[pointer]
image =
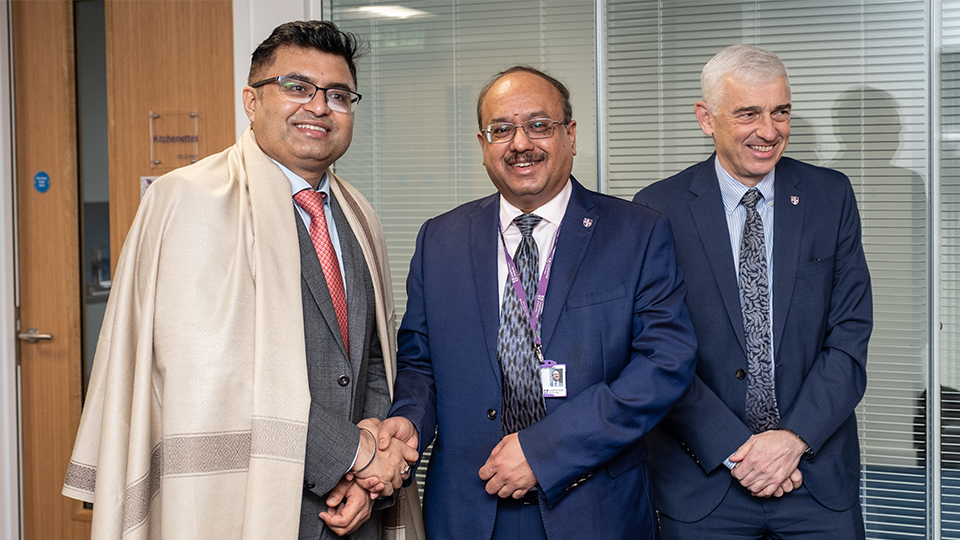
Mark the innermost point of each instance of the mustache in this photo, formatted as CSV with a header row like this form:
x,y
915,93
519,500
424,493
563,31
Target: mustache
x,y
525,157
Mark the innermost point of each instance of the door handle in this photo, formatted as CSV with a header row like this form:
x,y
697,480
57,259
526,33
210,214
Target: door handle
x,y
33,336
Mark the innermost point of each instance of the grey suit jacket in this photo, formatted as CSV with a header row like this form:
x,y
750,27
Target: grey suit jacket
x,y
343,390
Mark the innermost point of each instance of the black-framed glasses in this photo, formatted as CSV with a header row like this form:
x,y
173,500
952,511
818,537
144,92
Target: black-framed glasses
x,y
298,91
536,128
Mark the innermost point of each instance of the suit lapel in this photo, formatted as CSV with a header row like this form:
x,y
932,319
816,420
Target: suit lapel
x,y
708,213
484,243
579,222
353,263
312,274
787,227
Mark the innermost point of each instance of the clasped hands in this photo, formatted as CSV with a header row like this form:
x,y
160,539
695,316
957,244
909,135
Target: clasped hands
x,y
767,463
378,470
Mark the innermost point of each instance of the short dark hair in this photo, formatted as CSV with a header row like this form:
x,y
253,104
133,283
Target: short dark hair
x,y
564,93
323,36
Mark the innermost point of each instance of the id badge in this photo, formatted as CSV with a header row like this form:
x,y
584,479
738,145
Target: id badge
x,y
553,377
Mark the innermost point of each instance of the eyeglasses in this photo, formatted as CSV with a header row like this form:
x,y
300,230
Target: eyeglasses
x,y
299,91
537,128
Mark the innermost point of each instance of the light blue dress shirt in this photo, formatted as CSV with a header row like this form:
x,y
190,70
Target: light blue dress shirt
x,y
732,191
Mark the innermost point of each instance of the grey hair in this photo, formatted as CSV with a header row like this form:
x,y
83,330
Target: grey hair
x,y
746,64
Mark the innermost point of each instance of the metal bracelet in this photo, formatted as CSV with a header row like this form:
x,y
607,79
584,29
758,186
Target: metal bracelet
x,y
373,455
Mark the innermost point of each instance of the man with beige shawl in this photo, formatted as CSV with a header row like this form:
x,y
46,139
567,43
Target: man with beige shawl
x,y
225,402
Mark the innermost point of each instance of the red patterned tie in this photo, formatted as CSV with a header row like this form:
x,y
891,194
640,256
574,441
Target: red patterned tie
x,y
312,202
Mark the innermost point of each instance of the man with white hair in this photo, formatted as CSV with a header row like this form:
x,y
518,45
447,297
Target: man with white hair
x,y
764,445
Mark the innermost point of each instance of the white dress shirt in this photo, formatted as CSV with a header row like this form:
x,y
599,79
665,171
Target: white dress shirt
x,y
543,234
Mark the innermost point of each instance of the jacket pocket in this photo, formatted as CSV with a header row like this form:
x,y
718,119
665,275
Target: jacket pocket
x,y
598,297
815,266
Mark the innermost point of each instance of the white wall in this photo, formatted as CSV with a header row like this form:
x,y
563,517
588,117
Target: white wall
x,y
253,20
9,414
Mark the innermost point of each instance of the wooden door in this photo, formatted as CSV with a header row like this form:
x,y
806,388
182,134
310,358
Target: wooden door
x,y
164,56
49,271
160,56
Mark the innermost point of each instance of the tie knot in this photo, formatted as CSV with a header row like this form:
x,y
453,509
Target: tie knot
x,y
750,198
311,201
526,223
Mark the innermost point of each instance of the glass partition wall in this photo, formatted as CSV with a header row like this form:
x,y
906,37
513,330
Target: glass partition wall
x,y
876,94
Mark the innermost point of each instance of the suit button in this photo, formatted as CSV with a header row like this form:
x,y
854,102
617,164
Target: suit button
x,y
741,374
491,414
343,380
309,485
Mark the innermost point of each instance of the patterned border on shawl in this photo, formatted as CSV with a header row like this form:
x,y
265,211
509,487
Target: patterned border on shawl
x,y
187,455
81,477
392,522
280,439
137,497
208,453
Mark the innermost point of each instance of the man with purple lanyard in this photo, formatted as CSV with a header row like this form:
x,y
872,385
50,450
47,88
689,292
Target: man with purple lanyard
x,y
544,275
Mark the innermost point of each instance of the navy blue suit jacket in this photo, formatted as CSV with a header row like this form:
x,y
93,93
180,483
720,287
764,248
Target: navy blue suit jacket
x,y
822,319
613,313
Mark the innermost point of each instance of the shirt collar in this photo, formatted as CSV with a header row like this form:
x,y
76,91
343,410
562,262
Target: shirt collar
x,y
732,190
298,184
551,212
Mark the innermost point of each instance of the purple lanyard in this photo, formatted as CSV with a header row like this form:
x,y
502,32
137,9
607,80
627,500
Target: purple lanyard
x,y
541,287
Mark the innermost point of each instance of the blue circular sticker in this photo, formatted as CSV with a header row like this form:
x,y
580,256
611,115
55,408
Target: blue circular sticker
x,y
41,181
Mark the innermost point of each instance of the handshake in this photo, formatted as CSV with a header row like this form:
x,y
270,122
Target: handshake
x,y
388,449
387,452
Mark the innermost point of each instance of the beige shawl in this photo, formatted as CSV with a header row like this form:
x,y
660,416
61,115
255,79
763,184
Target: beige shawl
x,y
195,420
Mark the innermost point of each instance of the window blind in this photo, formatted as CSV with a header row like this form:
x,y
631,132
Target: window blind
x,y
415,153
949,229
859,77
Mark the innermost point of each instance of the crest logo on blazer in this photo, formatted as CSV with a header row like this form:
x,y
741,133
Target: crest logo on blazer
x,y
587,222
794,200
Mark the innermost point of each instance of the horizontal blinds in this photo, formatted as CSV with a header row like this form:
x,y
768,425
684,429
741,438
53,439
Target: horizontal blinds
x,y
858,72
859,76
950,267
415,152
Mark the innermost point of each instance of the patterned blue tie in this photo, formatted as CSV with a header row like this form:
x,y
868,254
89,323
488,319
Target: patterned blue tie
x,y
762,414
522,393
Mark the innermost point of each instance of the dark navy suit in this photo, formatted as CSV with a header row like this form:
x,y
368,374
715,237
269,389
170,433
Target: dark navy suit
x,y
613,313
822,319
